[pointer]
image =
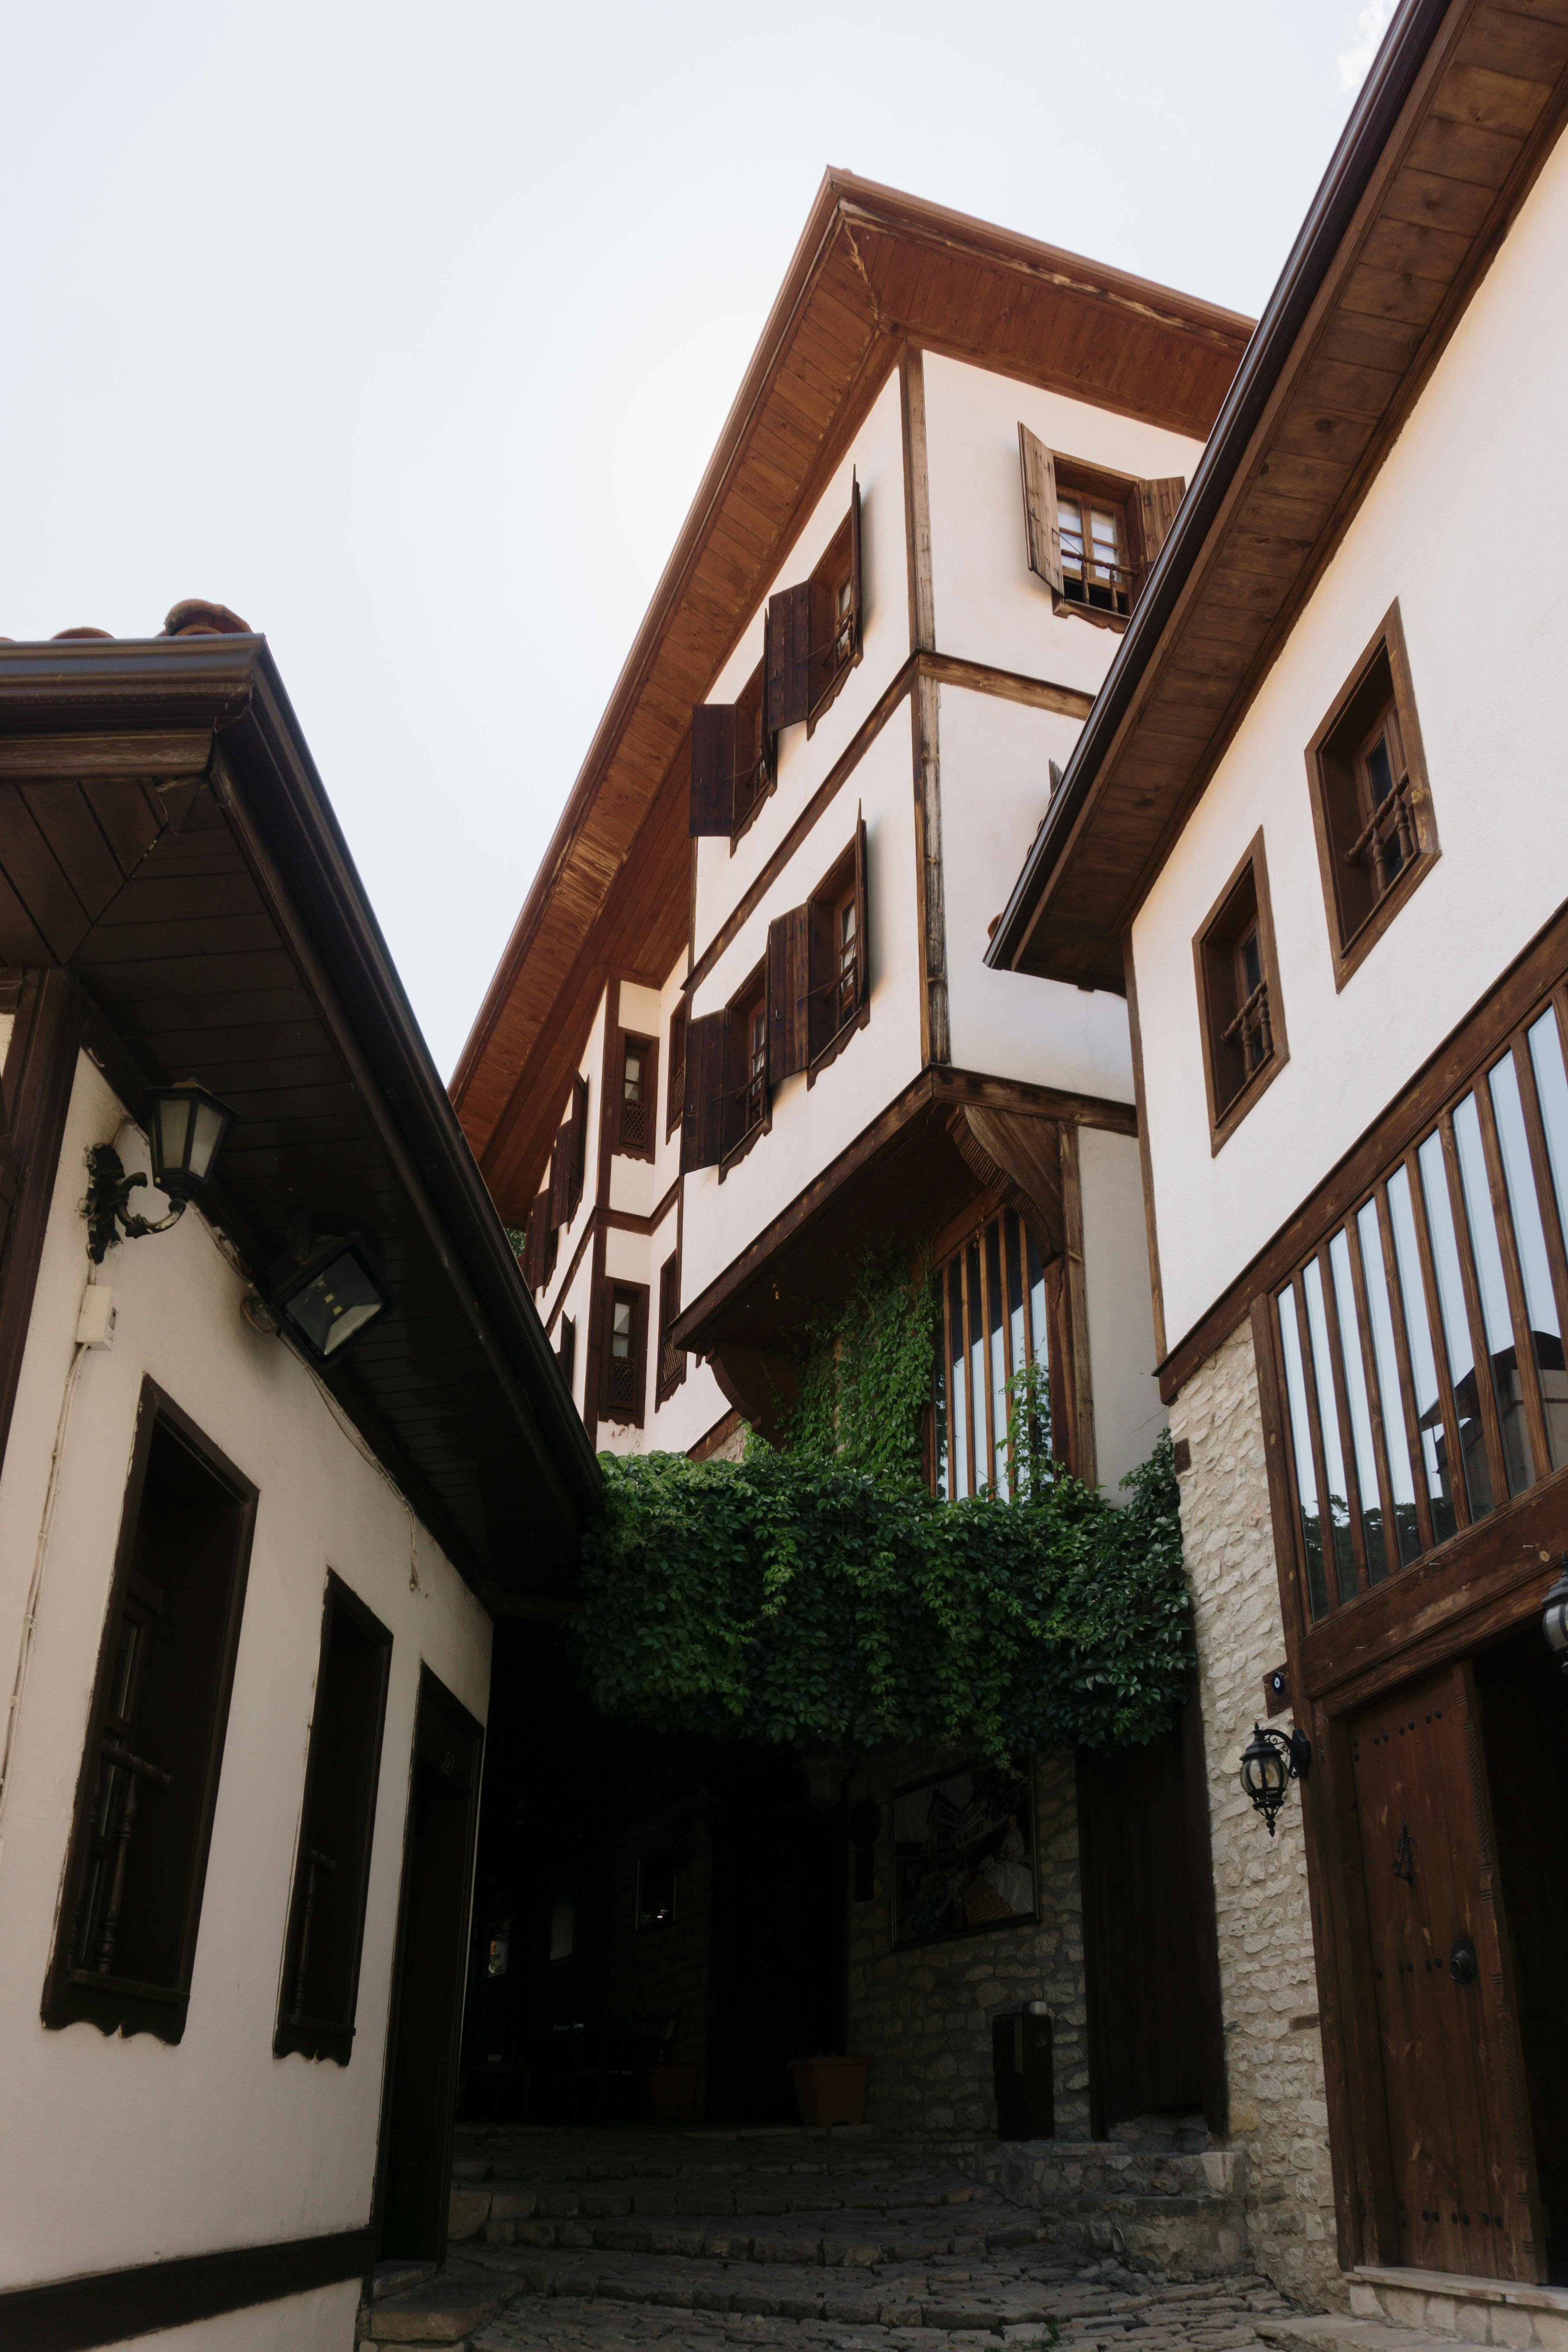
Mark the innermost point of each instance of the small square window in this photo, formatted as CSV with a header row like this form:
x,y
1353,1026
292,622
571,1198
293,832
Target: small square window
x,y
1239,1008
1372,807
1096,570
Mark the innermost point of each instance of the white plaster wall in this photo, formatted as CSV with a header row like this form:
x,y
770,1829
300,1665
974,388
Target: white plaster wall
x,y
876,456
574,1297
237,2148
812,1124
996,761
989,605
1127,1414
321,2320
1490,668
592,1067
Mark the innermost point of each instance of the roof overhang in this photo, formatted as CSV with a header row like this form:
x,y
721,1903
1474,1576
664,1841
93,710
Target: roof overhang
x,y
874,269
1460,111
165,836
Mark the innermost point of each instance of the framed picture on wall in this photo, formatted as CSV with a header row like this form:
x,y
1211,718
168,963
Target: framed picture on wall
x,y
964,1854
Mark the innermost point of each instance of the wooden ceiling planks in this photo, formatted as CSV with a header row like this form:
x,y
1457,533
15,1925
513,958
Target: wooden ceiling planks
x,y
1476,127
873,267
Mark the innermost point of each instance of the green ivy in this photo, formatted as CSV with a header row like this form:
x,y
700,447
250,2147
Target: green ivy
x,y
800,1600
865,1375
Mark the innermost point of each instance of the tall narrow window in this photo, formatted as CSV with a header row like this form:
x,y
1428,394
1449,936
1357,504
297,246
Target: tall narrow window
x,y
675,1085
636,1128
624,1353
745,1087
1095,570
993,1324
332,1869
148,1786
1370,804
671,1359
1240,1014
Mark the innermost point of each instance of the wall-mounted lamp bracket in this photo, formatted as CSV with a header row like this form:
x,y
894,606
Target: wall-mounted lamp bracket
x,y
107,1207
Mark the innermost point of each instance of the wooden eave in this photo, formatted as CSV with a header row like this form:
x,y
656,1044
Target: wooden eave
x,y
165,836
873,269
1461,109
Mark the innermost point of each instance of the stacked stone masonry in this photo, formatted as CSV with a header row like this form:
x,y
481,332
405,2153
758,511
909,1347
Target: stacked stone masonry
x,y
922,2013
1274,2060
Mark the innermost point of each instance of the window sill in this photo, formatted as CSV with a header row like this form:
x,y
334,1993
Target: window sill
x,y
117,2005
832,691
1353,953
835,1043
1092,613
1223,1124
759,803
737,1152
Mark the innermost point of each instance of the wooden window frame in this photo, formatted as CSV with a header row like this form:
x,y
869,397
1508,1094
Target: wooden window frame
x,y
110,2002
671,1361
836,600
739,1080
1145,508
628,1039
1246,893
968,1233
635,1292
674,1076
1331,759
846,879
319,2037
755,786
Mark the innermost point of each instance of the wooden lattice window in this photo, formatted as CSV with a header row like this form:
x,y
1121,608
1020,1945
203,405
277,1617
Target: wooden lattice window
x,y
322,1948
624,1353
149,1778
1239,1006
996,1308
1420,1346
636,1130
671,1359
1370,805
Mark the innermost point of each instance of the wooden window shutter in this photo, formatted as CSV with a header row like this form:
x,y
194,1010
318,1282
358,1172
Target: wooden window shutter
x,y
702,1119
787,696
578,1124
713,769
1041,524
1157,504
856,598
675,1083
862,937
534,1246
560,1176
789,993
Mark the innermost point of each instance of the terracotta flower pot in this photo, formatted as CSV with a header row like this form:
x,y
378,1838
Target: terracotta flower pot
x,y
831,2090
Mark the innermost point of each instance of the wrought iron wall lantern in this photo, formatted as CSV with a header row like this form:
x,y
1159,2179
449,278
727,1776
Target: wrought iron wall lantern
x,y
1554,1615
186,1129
1269,1762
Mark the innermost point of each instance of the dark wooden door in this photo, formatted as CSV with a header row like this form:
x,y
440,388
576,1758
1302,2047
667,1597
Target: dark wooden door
x,y
778,1957
1463,2168
1151,1962
432,1954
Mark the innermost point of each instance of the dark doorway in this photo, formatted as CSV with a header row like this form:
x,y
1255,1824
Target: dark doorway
x,y
1524,1717
427,1994
1150,1958
779,1955
1458,2133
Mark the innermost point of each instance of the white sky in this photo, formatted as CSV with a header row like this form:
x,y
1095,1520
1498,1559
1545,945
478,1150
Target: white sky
x,y
407,332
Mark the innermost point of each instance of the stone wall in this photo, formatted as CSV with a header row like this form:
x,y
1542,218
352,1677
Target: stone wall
x,y
1278,2115
922,2015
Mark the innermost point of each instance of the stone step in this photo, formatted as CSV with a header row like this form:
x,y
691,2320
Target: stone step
x,y
820,2239
1440,2305
1328,2332
911,2176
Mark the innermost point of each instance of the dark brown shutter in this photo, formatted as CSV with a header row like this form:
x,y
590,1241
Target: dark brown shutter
x,y
855,593
862,937
788,687
671,1361
676,1081
578,1123
701,1125
821,972
533,1247
1157,504
713,769
1041,526
789,993
560,1176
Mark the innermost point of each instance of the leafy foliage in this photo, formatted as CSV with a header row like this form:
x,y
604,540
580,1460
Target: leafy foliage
x,y
865,1379
801,1600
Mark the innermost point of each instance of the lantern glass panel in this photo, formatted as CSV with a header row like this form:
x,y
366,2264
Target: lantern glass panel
x,y
340,1301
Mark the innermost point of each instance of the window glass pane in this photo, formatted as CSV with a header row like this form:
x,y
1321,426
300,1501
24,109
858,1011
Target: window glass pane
x,y
1379,774
1530,1238
1380,1314
1354,1365
1503,1358
1302,1447
1038,1330
1013,1241
939,1463
1456,1326
1423,1360
958,1403
1329,1428
1552,1089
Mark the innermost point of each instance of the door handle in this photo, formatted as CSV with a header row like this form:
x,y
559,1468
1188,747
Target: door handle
x,y
1463,1966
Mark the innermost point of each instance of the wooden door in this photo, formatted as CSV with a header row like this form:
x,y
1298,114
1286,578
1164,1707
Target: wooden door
x,y
1463,2169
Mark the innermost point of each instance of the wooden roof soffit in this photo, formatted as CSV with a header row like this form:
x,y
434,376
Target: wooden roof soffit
x,y
873,267
1460,110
